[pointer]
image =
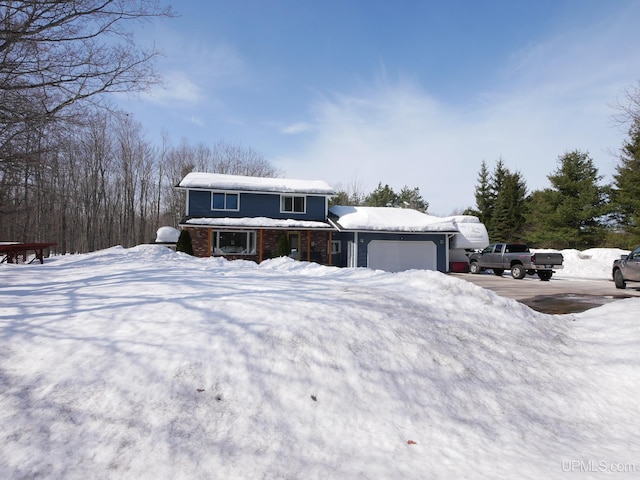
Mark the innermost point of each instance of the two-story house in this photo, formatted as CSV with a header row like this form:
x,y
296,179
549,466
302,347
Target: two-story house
x,y
256,218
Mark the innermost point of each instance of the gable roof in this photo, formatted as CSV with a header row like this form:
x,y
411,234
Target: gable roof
x,y
219,181
388,219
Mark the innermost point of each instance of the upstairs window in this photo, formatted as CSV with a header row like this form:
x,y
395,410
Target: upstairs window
x,y
293,204
224,201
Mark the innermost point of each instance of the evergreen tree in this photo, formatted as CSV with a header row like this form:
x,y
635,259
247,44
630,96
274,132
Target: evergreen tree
x,y
570,214
484,194
382,197
340,198
500,173
184,243
500,201
508,219
540,208
626,188
283,248
411,198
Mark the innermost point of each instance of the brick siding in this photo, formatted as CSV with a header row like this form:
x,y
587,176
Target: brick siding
x,y
200,239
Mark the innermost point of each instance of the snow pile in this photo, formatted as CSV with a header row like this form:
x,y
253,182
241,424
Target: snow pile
x,y
145,363
167,235
594,263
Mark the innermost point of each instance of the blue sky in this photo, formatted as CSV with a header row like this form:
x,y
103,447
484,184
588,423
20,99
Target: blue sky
x,y
411,92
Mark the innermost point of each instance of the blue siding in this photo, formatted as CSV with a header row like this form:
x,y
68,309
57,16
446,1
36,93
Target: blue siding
x,y
255,205
364,238
439,239
199,204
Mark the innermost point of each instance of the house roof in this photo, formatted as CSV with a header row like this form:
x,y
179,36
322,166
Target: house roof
x,y
218,181
256,222
388,219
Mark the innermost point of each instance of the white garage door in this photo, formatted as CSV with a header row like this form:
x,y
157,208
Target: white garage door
x,y
396,256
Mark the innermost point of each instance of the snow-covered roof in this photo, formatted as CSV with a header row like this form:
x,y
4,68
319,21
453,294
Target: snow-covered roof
x,y
220,181
389,219
473,233
257,222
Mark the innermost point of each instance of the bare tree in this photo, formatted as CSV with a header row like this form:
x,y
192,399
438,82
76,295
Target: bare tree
x,y
54,53
56,58
628,110
235,159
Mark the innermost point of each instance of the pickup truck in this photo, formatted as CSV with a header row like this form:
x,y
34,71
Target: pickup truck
x,y
627,269
517,258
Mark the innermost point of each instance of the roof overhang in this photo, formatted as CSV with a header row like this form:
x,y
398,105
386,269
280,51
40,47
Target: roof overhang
x,y
255,223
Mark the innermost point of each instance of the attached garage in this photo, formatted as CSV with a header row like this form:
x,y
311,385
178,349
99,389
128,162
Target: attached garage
x,y
399,255
392,239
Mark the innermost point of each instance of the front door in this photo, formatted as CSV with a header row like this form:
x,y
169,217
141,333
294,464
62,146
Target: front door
x,y
294,245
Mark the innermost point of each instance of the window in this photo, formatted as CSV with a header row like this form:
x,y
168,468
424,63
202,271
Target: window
x,y
234,243
517,248
292,204
336,247
488,249
224,201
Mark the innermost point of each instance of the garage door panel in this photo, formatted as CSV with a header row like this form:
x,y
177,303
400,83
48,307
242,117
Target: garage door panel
x,y
397,255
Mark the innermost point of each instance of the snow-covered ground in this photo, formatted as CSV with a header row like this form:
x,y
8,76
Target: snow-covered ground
x,y
143,363
594,263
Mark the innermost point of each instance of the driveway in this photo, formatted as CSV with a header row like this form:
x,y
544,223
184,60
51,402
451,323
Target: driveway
x,y
558,295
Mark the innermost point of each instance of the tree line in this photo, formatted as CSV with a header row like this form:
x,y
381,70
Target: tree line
x,y
72,168
103,184
76,171
576,211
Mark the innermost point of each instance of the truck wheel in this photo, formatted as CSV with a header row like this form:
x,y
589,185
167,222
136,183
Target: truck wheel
x,y
545,275
618,278
474,267
498,271
518,272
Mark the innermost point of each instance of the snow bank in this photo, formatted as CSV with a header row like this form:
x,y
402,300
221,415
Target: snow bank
x,y
594,263
146,363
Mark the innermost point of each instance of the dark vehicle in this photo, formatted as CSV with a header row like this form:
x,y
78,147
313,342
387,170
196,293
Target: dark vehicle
x,y
627,269
515,257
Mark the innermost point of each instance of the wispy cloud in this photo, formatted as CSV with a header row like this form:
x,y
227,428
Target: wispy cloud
x,y
178,88
296,128
554,97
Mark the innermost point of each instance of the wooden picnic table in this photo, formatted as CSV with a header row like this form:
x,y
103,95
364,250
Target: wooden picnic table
x,y
14,251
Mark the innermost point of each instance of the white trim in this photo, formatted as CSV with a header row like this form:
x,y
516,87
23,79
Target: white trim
x,y
354,251
250,234
225,193
293,196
